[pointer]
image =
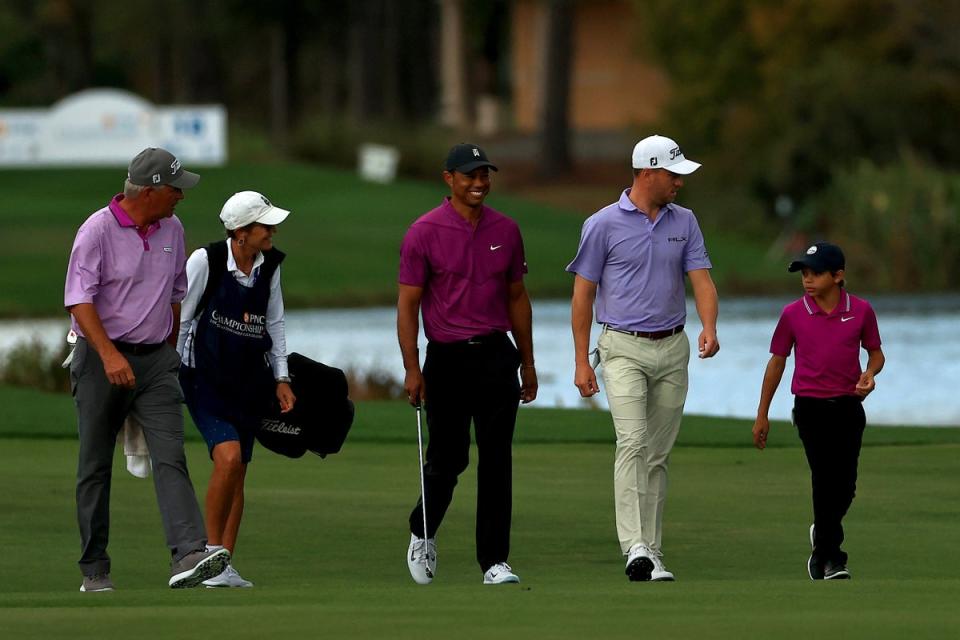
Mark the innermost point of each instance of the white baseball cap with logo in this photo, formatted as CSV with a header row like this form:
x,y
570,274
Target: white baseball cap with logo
x,y
247,207
659,152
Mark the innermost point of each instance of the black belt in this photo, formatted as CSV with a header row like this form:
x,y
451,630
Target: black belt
x,y
137,349
650,335
495,338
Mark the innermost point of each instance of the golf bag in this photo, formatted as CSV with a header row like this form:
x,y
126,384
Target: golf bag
x,y
321,417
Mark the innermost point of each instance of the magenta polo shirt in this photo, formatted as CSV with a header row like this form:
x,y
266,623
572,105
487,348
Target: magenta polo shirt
x,y
465,272
826,345
639,265
131,276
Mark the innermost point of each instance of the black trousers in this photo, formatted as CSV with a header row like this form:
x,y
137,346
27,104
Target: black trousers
x,y
472,380
832,431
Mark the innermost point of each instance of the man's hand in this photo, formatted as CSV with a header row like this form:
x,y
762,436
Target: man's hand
x,y
761,427
414,388
118,370
585,378
708,344
528,384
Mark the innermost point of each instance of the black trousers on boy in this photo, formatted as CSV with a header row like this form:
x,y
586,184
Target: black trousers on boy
x,y
832,431
476,380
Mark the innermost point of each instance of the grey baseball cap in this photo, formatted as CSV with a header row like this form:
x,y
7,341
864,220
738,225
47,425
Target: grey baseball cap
x,y
154,167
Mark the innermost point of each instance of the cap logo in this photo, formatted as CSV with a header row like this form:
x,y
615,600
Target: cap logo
x,y
811,251
675,153
265,201
156,178
175,166
476,152
653,161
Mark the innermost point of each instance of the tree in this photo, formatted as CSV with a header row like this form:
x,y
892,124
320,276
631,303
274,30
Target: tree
x,y
558,44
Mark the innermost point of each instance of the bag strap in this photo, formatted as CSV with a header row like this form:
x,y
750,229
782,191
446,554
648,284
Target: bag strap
x,y
217,267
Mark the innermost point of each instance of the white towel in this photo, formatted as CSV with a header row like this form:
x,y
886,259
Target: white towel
x,y
135,448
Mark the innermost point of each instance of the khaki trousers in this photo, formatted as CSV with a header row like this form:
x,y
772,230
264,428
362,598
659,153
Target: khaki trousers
x,y
646,385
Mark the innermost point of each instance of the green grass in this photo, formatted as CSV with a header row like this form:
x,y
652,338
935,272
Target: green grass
x,y
324,539
343,238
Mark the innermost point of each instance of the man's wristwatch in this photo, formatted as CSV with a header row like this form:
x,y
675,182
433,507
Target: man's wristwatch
x,y
281,379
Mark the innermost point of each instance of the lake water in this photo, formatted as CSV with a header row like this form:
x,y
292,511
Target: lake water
x,y
921,340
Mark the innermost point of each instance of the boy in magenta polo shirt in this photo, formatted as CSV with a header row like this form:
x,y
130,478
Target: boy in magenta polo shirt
x,y
826,329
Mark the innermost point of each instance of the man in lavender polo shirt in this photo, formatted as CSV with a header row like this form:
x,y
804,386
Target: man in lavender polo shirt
x,y
125,280
463,264
631,261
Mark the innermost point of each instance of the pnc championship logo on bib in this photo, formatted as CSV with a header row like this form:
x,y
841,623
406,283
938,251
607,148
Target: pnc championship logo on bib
x,y
251,325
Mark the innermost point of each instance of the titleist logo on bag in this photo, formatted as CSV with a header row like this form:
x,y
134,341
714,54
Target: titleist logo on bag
x,y
276,426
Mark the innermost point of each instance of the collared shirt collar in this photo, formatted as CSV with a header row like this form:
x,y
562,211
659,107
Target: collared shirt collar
x,y
812,307
232,263
451,210
124,220
626,204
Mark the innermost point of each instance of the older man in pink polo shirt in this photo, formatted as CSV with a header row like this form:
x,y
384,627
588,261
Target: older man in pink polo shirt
x,y
463,264
125,280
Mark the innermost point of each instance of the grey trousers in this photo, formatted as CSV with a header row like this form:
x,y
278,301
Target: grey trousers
x,y
101,409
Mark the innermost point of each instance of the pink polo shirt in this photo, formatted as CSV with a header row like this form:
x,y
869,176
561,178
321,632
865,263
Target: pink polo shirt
x,y
465,272
826,345
130,276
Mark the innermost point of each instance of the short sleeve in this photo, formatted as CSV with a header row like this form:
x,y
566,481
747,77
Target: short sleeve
x,y
783,338
414,267
592,252
518,261
83,269
870,332
695,255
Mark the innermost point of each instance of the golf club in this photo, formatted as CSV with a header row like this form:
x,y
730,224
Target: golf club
x,y
423,497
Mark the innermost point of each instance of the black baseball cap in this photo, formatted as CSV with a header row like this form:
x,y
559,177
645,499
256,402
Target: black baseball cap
x,y
154,167
820,257
466,157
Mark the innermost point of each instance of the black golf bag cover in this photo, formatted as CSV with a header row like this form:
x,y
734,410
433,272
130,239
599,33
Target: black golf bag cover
x,y
321,417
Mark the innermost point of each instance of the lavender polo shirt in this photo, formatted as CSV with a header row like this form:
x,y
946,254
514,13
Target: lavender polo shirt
x,y
131,276
638,266
826,345
465,272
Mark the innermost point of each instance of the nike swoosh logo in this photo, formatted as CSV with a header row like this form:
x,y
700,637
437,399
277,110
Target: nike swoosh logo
x,y
847,318
495,247
494,575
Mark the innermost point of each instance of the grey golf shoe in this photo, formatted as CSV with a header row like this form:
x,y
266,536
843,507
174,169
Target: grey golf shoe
x,y
194,568
96,582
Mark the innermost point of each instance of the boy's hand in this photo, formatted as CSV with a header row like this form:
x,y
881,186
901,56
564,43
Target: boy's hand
x,y
761,427
865,384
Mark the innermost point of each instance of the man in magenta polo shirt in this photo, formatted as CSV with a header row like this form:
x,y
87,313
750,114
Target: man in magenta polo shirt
x,y
631,261
462,264
125,280
825,329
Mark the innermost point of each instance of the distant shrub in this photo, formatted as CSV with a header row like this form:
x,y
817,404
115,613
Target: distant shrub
x,y
374,385
335,141
32,364
898,224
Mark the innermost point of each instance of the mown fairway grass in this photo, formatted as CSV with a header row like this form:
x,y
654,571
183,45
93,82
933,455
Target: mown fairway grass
x,y
324,540
343,238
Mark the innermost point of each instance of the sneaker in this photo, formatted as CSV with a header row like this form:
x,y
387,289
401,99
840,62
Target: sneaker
x,y
500,573
422,559
659,572
192,569
229,578
639,563
814,568
96,582
837,571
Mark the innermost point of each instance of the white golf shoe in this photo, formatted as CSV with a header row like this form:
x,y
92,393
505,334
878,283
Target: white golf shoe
x,y
500,573
229,578
639,563
422,559
659,572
